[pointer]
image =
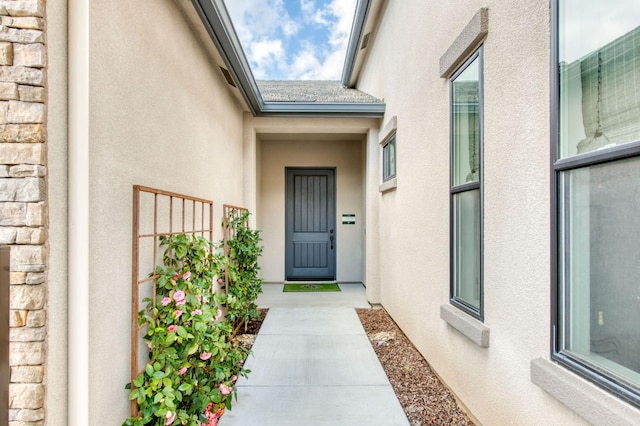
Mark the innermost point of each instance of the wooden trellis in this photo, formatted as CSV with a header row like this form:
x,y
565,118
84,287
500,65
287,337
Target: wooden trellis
x,y
157,213
229,213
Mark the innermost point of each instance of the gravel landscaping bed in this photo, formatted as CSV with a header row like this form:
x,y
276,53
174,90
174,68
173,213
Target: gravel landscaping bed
x,y
425,400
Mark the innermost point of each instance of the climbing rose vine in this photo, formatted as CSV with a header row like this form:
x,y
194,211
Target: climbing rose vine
x,y
193,361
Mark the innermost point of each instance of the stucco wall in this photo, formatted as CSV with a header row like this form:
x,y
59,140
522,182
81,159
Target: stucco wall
x,y
160,116
346,156
56,373
413,236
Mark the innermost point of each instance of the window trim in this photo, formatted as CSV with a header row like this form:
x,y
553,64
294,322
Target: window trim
x,y
390,140
477,313
592,403
389,130
557,167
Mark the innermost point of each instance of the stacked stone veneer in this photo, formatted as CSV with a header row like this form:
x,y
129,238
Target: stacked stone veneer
x,y
23,211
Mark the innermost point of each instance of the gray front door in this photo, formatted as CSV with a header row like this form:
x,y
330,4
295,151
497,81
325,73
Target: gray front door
x,y
310,216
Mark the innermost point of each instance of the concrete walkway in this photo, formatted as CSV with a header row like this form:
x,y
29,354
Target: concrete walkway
x,y
312,364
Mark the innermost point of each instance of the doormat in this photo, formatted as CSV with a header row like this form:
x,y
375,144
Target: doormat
x,y
310,287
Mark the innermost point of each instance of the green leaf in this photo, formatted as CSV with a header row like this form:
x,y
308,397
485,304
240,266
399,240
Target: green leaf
x,y
181,251
139,381
149,369
182,332
169,403
185,387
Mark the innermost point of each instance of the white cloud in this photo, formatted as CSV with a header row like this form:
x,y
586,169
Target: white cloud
x,y
327,64
290,28
307,6
304,65
256,18
265,54
268,34
343,11
320,17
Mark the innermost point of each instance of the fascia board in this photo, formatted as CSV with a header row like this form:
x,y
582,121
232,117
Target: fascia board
x,y
214,15
315,109
359,21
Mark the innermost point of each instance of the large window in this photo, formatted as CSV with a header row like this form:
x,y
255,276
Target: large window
x,y
466,186
597,179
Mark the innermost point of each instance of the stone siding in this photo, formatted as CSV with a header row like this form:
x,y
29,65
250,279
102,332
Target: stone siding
x,y
23,200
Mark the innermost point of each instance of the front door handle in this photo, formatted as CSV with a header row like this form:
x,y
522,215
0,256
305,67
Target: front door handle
x,y
331,239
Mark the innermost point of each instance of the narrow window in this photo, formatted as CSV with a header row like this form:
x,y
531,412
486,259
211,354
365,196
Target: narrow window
x,y
596,144
466,186
389,158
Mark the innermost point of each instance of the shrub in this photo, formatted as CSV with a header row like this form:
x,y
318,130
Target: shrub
x,y
242,268
193,361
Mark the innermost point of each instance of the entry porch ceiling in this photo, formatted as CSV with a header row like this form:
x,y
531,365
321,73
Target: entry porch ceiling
x,y
294,98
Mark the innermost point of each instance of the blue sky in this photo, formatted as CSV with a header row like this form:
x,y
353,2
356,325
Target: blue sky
x,y
293,39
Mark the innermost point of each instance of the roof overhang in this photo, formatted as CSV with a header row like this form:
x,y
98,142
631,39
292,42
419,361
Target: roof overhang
x,y
218,24
365,21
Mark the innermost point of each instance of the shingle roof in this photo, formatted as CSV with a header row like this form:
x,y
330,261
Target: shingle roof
x,y
311,91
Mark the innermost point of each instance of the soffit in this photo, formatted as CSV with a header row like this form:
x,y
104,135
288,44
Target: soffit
x,y
311,137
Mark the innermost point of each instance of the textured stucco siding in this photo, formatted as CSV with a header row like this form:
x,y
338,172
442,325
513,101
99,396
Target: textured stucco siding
x,y
345,157
158,117
403,68
271,144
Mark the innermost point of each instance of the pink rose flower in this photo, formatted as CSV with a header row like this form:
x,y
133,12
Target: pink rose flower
x,y
220,281
165,301
234,378
172,328
178,312
176,276
186,275
182,371
149,345
205,356
212,418
218,314
224,389
170,417
196,312
179,297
